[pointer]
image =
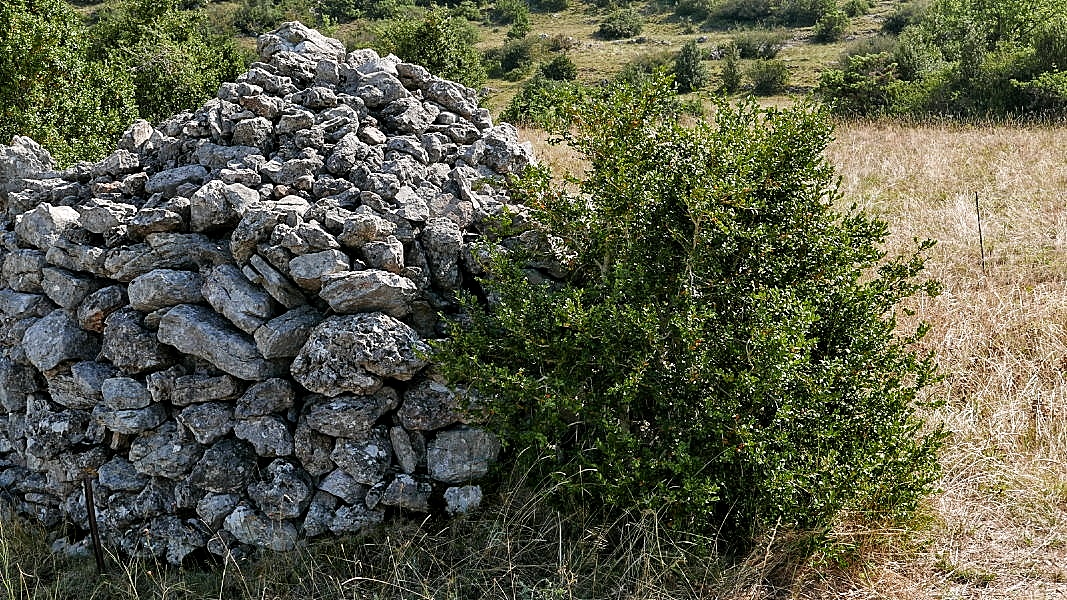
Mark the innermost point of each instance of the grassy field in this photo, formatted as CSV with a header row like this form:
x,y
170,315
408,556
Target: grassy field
x,y
997,530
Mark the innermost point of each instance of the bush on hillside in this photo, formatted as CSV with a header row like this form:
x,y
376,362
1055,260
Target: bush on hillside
x,y
690,74
742,11
966,58
442,43
560,68
514,60
723,349
759,43
620,24
768,77
731,69
75,88
831,26
545,103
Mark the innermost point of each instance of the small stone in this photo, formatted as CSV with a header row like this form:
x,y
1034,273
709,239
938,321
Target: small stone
x,y
366,458
340,484
313,450
252,528
351,416
308,270
264,398
213,508
161,288
227,467
131,421
207,421
283,336
231,294
461,455
409,448
352,352
462,500
428,405
405,492
286,494
119,474
57,338
268,434
201,332
130,346
353,519
163,452
124,393
368,291
96,307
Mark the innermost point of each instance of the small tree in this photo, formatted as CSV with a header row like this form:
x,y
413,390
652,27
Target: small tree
x,y
622,23
724,348
689,72
560,68
768,76
440,42
731,68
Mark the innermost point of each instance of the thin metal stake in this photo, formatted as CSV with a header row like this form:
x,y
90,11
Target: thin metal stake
x,y
981,242
94,531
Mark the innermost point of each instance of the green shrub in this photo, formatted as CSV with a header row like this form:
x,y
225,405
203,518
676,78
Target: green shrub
x,y
864,86
697,10
544,102
731,69
802,13
906,14
759,43
620,24
878,44
855,8
1050,44
689,73
440,42
514,60
642,66
831,26
469,10
552,5
724,349
742,11
768,76
560,68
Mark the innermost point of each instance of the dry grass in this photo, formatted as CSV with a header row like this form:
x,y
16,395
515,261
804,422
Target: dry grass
x,y
1000,525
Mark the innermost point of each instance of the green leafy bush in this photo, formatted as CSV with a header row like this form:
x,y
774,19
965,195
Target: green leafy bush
x,y
440,42
768,76
544,102
697,10
552,5
620,24
802,13
689,73
75,88
759,43
742,11
724,348
855,8
831,26
560,68
731,69
906,14
514,60
642,66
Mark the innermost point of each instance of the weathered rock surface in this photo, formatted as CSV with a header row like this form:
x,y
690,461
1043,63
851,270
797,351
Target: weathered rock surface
x,y
224,318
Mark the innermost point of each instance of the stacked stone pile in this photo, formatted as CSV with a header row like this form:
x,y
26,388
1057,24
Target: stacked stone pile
x,y
222,323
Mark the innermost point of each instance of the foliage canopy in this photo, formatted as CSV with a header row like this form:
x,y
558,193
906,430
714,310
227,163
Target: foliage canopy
x,y
724,347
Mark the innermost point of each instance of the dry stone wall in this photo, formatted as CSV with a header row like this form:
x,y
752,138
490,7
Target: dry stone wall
x,y
222,324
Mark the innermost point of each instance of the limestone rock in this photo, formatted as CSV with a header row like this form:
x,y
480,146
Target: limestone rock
x,y
201,332
353,352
